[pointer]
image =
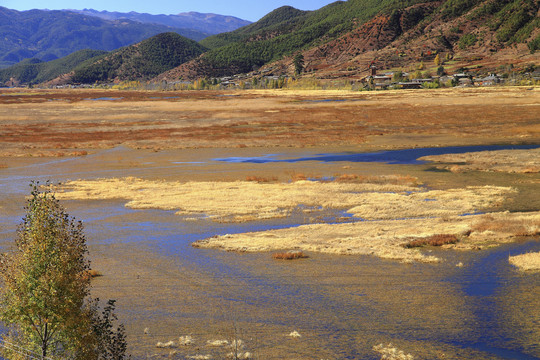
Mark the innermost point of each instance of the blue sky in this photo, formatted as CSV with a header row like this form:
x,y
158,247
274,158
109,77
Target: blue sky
x,y
246,9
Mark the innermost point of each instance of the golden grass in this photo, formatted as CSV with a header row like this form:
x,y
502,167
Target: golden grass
x,y
526,262
228,201
247,200
397,213
511,161
383,238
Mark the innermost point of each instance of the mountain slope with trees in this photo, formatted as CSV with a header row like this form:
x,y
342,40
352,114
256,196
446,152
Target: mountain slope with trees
x,y
141,61
393,32
34,71
49,35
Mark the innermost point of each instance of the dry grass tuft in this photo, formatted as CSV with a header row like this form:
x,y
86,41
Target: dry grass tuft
x,y
295,334
390,352
217,343
185,340
3,166
434,240
526,262
167,345
290,255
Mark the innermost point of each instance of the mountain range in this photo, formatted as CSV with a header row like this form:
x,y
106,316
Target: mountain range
x,y
342,40
49,35
205,23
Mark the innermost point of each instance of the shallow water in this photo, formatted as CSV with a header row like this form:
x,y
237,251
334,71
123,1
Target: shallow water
x,y
407,156
341,305
105,99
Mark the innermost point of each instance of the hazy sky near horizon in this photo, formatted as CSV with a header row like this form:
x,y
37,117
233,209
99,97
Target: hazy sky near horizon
x,y
251,10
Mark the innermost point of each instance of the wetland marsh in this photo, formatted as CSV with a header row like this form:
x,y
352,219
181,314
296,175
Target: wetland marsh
x,y
152,183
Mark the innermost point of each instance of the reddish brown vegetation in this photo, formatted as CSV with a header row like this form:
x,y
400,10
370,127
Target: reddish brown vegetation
x,y
434,240
261,179
290,255
220,121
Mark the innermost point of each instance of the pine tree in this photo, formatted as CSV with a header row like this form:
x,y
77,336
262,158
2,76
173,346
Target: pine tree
x,y
298,62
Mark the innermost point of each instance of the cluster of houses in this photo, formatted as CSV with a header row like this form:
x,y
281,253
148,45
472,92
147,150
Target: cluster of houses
x,y
388,80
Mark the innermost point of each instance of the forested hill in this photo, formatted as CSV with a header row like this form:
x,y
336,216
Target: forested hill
x,y
141,61
279,21
34,71
48,35
395,31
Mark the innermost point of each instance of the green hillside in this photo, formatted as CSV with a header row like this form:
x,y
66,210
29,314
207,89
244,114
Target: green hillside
x,y
33,71
281,20
140,61
287,30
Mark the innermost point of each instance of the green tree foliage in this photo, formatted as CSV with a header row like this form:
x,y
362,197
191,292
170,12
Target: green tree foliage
x,y
44,279
467,40
45,282
534,44
298,63
441,71
455,8
398,76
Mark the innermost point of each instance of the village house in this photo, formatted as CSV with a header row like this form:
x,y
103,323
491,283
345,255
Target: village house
x,y
490,80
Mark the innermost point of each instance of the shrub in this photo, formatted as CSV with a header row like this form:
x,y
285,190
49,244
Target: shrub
x,y
260,179
290,255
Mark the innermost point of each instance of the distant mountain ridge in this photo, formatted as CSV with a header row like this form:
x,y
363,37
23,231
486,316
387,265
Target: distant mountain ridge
x,y
206,23
52,34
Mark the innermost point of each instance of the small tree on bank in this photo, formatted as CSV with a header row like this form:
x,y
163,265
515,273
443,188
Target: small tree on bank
x,y
45,283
